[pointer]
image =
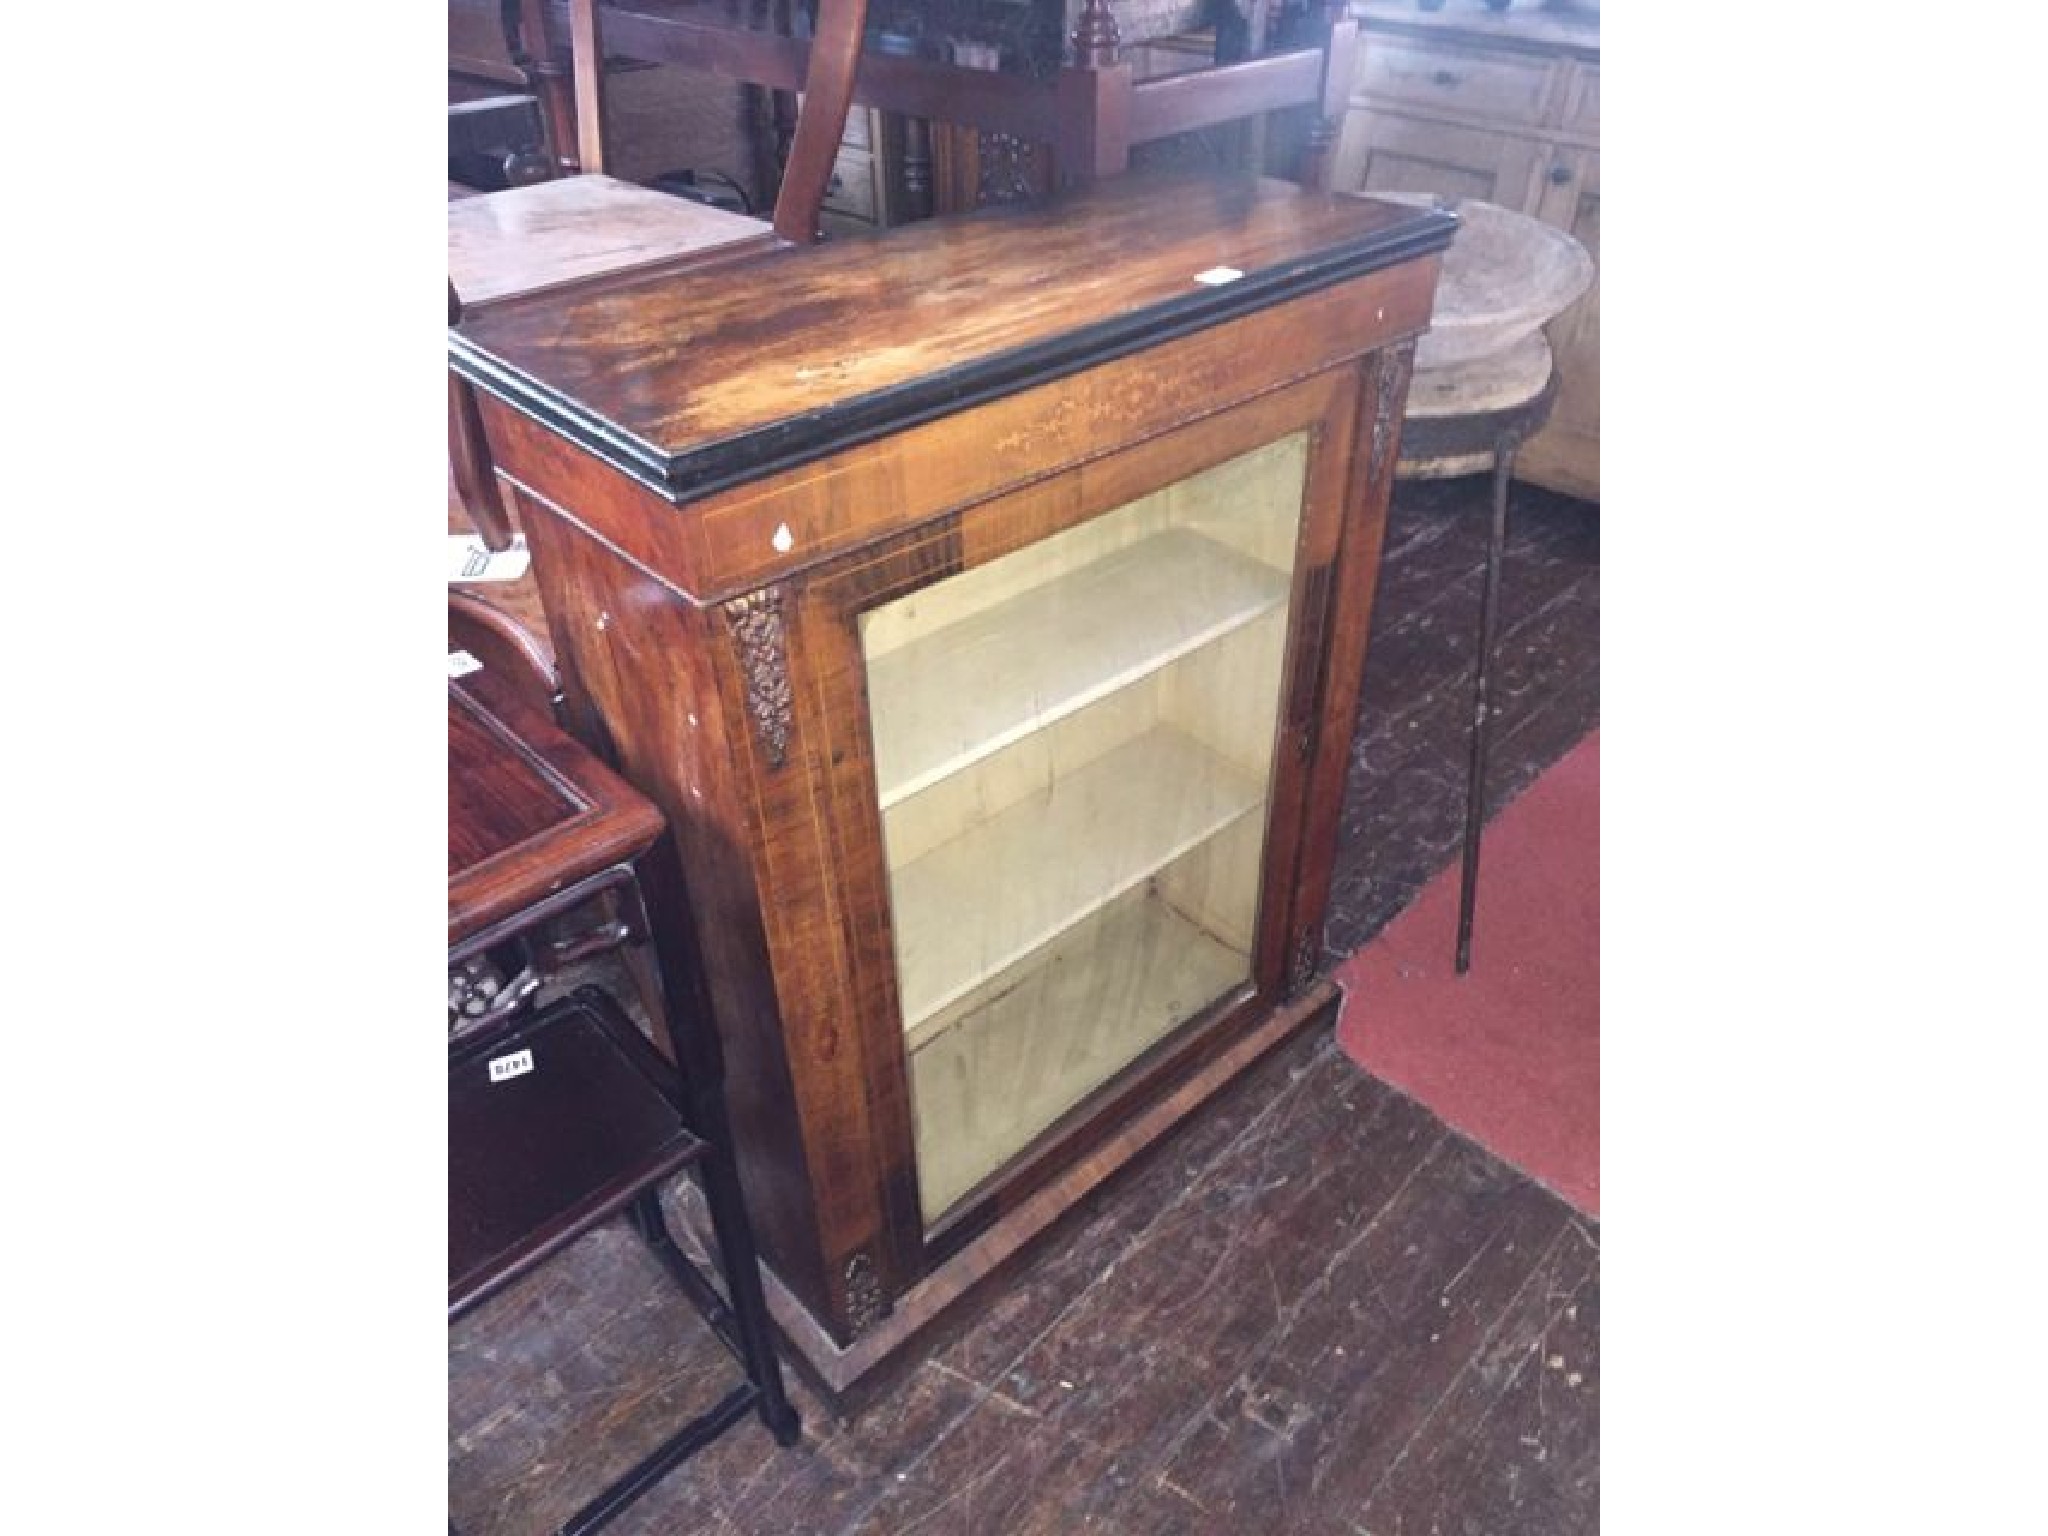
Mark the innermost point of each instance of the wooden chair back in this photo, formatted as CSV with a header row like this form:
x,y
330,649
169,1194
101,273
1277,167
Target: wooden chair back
x,y
1086,116
827,96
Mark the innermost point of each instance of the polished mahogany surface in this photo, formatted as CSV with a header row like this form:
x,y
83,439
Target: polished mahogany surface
x,y
530,812
687,379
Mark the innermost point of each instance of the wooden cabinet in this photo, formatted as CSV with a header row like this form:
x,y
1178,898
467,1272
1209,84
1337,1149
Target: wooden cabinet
x,y
1504,107
882,174
985,608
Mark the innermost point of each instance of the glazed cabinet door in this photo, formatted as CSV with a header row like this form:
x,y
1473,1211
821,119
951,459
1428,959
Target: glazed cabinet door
x,y
1083,712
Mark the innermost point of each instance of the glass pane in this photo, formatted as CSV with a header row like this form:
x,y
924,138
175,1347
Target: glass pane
x,y
1074,753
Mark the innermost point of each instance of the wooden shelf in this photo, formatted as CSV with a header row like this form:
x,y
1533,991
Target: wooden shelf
x,y
1090,1005
952,697
977,905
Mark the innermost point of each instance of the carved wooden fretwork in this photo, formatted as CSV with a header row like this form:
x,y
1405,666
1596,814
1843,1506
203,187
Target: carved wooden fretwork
x,y
1007,164
756,620
480,995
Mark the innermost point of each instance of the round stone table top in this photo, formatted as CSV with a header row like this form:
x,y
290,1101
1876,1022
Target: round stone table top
x,y
1499,382
1456,417
1504,277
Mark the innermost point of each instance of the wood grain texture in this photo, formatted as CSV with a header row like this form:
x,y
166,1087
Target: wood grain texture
x,y
648,691
1354,568
827,95
729,541
691,381
1156,1370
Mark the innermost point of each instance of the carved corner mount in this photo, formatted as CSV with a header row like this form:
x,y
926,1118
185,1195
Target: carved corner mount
x,y
1301,967
1388,393
863,1294
763,645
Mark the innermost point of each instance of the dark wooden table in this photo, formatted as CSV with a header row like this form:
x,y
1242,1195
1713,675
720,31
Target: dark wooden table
x,y
543,843
531,814
565,1117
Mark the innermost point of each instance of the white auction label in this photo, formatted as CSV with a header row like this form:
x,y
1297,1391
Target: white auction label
x,y
515,1065
470,560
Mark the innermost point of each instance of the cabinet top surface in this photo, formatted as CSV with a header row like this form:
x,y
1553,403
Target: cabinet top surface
x,y
694,380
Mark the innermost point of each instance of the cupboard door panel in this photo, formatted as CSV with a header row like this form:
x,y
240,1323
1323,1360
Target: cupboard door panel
x,y
1058,719
1055,732
1582,101
1386,152
1464,82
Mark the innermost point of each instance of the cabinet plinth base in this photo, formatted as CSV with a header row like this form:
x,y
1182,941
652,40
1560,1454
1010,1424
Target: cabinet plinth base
x,y
848,1378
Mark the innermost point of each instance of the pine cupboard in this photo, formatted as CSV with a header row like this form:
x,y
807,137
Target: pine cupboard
x,y
1503,107
984,605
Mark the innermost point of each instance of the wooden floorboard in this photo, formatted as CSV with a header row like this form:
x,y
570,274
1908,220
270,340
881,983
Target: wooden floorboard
x,y
1513,1448
1312,1308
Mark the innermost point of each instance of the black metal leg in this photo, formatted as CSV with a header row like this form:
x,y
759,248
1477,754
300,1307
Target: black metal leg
x,y
729,1229
662,1460
1489,615
743,1326
695,1049
652,1226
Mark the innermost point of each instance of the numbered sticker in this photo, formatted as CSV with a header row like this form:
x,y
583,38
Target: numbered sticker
x,y
461,664
518,1064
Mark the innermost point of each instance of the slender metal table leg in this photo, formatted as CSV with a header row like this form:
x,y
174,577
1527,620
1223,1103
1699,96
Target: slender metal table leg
x,y
735,1241
1489,616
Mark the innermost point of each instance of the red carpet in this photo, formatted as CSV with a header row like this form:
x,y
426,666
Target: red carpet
x,y
1508,1054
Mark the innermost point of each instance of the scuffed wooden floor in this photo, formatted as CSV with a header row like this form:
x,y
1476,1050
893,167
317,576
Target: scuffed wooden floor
x,y
1311,1309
